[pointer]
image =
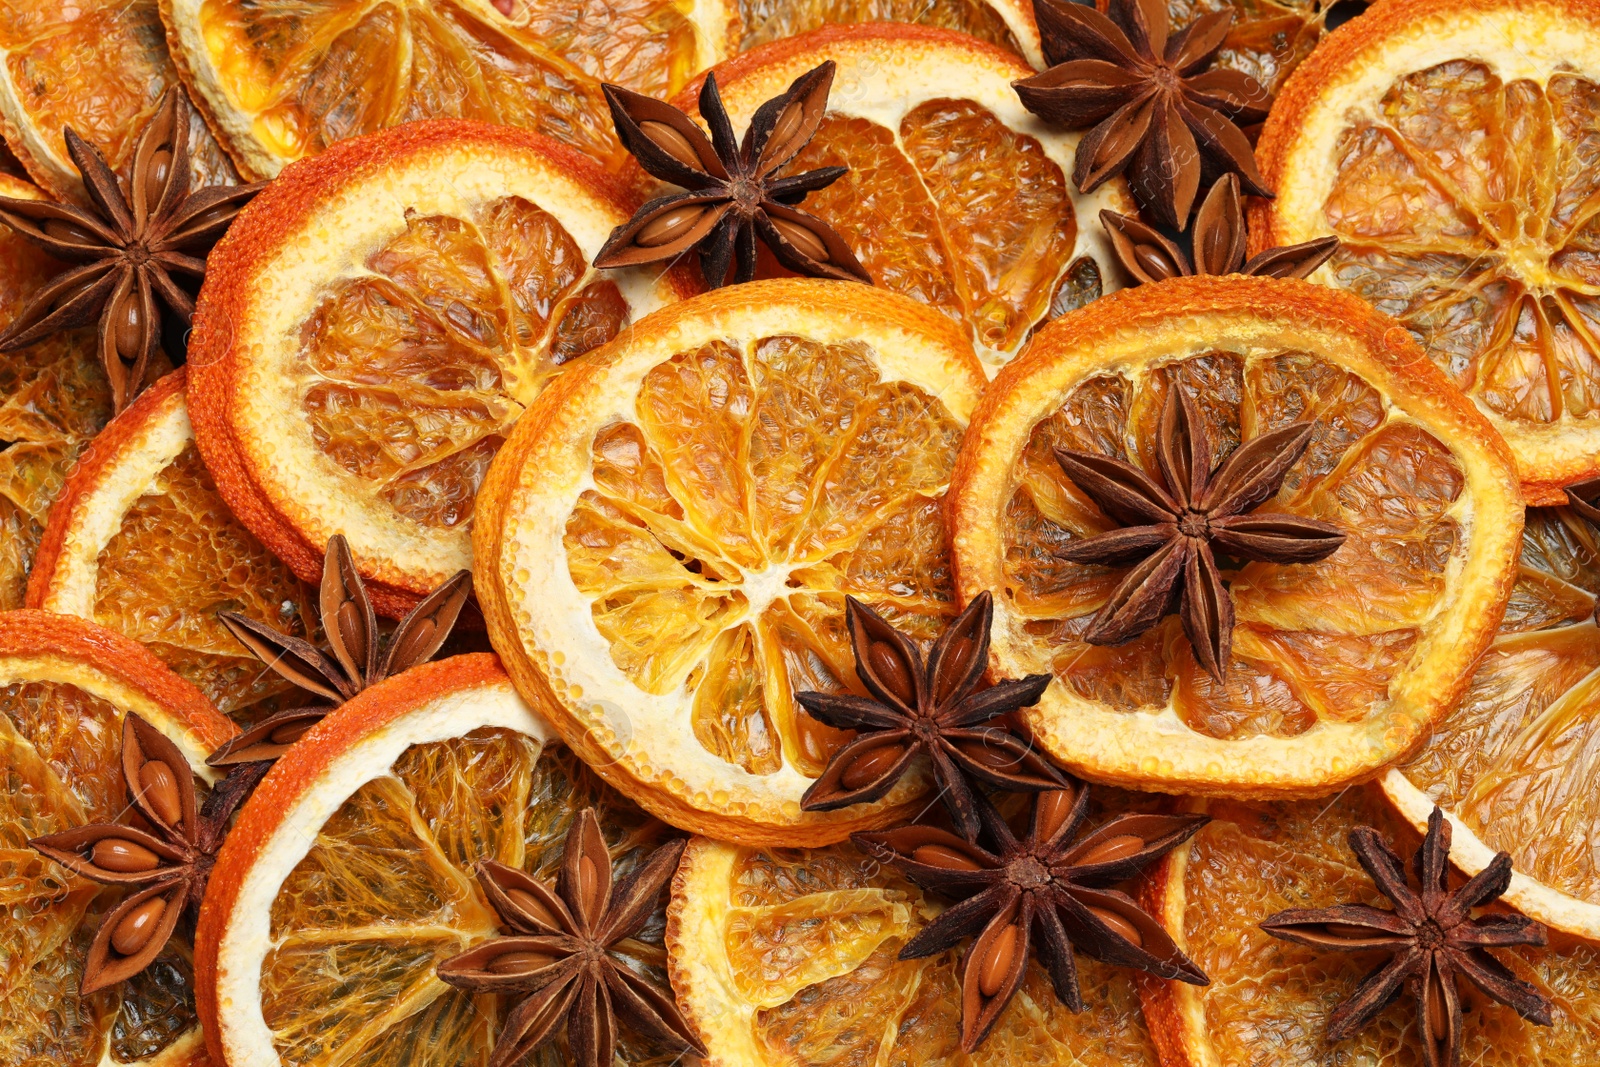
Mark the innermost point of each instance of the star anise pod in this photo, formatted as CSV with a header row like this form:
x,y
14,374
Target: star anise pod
x,y
733,194
929,709
1158,112
131,245
356,663
558,956
1050,892
1176,521
1431,937
1584,499
165,868
1218,240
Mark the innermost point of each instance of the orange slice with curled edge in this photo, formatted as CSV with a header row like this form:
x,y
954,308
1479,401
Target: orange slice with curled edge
x,y
1007,23
350,875
140,542
283,79
1339,667
1269,1000
665,544
376,321
956,195
1450,145
65,685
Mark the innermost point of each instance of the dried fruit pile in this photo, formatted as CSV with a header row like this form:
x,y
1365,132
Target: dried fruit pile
x,y
972,532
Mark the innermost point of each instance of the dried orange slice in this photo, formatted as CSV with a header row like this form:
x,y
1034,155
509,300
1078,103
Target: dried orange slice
x,y
1487,253
99,66
1513,764
1007,23
65,685
1339,667
782,957
53,397
284,79
376,321
140,542
348,877
665,544
956,194
1269,1000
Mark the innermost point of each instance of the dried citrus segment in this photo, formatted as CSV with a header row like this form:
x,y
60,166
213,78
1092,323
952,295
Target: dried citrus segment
x,y
1486,255
376,324
1269,1001
283,80
1001,22
358,853
1339,666
666,542
65,685
140,542
786,957
955,195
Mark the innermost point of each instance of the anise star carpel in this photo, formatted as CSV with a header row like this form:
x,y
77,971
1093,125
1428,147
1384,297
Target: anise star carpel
x,y
1177,520
131,245
1050,892
357,662
164,868
1218,241
1156,110
931,709
559,954
1432,938
733,194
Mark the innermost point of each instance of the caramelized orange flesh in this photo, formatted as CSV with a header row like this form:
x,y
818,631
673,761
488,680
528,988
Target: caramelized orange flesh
x,y
389,891
772,20
1269,1000
1315,641
752,492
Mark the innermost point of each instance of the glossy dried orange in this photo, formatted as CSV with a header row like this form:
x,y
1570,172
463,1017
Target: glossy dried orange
x,y
1007,23
1339,667
1450,144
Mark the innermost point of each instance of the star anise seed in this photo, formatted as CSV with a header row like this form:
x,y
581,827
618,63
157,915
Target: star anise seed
x,y
165,868
352,629
1176,521
559,956
1158,113
732,193
1218,239
1432,939
929,709
131,245
1050,892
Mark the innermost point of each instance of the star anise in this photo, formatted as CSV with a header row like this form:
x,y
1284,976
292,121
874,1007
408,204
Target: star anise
x,y
356,664
733,194
559,956
1584,499
1158,113
132,244
1431,937
1218,240
930,709
165,867
1050,892
1178,519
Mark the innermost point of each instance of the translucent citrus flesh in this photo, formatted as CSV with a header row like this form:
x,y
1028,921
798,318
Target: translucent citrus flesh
x,y
812,938
954,209
178,559
59,748
1491,257
752,492
1268,1001
388,892
1518,757
412,374
1268,39
1314,642
772,20
98,67
312,73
